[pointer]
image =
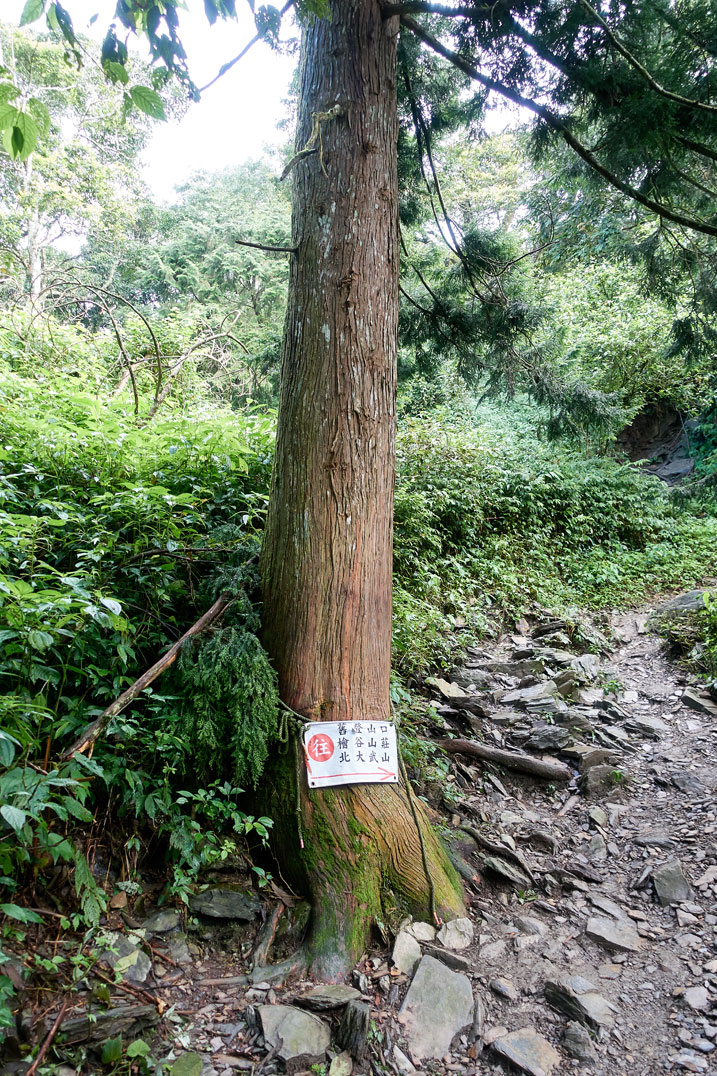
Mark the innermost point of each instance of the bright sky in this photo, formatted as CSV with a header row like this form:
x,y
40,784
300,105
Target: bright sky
x,y
235,120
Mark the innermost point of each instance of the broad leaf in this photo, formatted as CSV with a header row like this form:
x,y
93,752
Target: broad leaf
x,y
148,101
23,915
13,816
33,10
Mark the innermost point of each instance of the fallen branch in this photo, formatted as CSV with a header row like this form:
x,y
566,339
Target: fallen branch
x,y
93,731
49,1039
536,767
261,952
135,991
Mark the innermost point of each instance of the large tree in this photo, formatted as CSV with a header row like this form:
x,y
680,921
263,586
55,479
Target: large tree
x,y
630,88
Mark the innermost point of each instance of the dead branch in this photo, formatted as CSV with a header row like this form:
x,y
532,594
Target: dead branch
x,y
49,1038
261,951
93,731
512,760
265,246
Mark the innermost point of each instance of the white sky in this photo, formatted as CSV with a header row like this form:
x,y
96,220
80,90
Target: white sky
x,y
235,120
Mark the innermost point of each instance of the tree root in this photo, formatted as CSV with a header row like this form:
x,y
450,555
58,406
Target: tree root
x,y
512,760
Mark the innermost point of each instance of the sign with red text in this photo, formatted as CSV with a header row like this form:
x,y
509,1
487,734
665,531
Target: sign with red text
x,y
350,753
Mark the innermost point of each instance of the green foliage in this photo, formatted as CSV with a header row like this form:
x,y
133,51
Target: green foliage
x,y
490,518
230,703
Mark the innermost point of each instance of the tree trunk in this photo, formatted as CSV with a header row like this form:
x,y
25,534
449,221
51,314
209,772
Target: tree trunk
x,y
327,556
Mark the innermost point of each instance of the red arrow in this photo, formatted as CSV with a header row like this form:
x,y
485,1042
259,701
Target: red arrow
x,y
373,773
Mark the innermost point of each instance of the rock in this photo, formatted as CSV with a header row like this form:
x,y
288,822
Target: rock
x,y
402,1063
128,958
690,602
422,932
580,1000
353,1030
691,1062
456,935
598,816
696,998
587,666
508,870
529,1051
225,903
671,885
520,669
118,901
406,952
550,738
577,1042
700,701
450,959
655,838
504,988
524,695
127,1020
688,782
598,779
328,996
162,921
341,1065
449,691
618,936
301,1033
438,1005
652,727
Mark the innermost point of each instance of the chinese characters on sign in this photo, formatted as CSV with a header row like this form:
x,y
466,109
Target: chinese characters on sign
x,y
350,753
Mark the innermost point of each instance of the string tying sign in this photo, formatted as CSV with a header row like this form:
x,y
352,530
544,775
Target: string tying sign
x,y
350,753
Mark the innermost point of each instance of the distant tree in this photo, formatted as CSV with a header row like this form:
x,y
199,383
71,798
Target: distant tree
x,y
188,257
80,170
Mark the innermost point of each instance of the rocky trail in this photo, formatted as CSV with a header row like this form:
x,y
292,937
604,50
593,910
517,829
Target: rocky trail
x,y
590,937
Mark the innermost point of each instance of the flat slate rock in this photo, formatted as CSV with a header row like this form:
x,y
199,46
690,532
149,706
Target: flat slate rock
x,y
423,932
406,952
690,602
456,935
529,1051
301,1033
700,701
580,1000
328,996
543,690
670,883
162,921
438,1005
620,937
224,903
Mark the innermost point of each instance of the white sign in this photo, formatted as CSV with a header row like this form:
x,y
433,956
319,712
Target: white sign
x,y
350,753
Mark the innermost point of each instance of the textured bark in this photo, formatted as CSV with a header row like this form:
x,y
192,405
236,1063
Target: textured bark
x,y
327,557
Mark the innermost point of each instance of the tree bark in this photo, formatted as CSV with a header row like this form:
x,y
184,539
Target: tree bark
x,y
327,555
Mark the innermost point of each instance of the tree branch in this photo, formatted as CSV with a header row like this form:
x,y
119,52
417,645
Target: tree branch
x,y
266,246
230,63
634,62
93,731
558,125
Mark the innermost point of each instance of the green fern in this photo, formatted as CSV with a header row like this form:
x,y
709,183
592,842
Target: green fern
x,y
230,704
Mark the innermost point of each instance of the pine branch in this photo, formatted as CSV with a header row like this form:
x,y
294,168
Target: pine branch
x,y
560,126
